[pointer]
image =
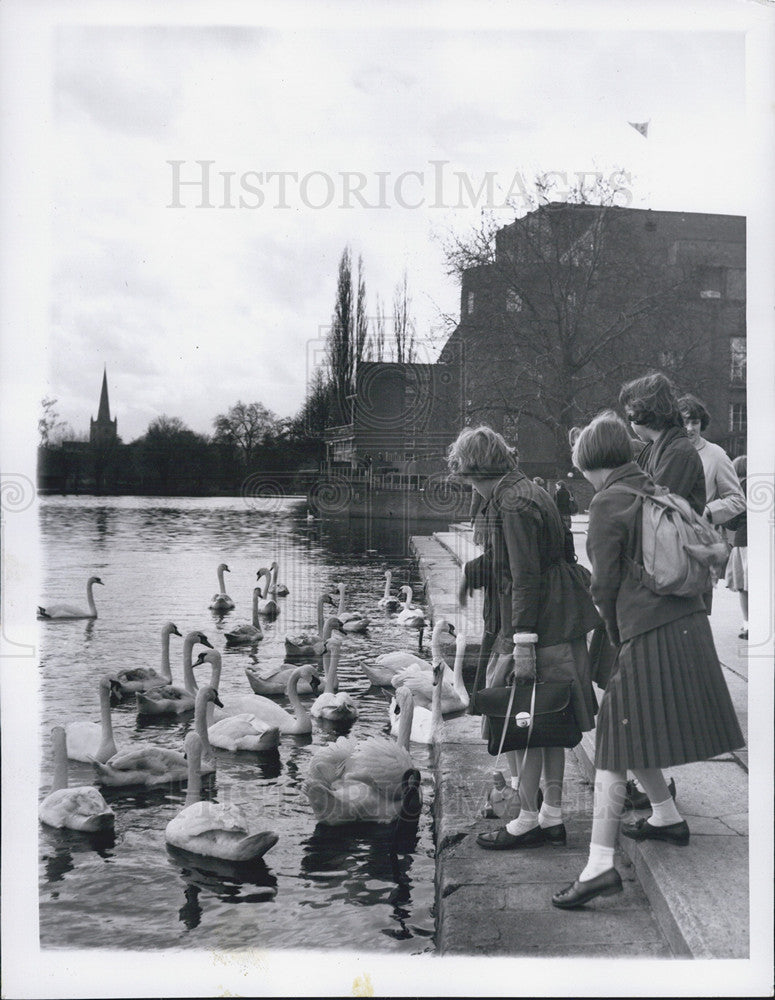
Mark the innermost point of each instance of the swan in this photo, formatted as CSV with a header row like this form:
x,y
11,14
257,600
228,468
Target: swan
x,y
426,723
204,696
271,679
454,696
67,612
352,621
269,713
267,604
328,705
306,644
80,808
244,635
223,732
142,678
89,741
280,588
372,780
171,699
411,617
213,829
221,601
388,601
144,764
387,665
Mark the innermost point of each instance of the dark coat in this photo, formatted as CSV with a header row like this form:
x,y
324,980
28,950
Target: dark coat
x,y
628,607
673,461
562,499
537,588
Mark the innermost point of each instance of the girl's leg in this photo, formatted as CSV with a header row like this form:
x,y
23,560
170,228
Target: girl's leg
x,y
528,764
663,810
550,814
610,787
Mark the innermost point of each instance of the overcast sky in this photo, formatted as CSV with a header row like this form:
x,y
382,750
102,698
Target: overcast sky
x,y
194,308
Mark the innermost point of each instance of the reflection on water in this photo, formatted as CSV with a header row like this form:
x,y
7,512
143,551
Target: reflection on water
x,y
356,886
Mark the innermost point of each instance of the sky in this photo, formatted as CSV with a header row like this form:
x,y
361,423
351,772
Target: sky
x,y
193,308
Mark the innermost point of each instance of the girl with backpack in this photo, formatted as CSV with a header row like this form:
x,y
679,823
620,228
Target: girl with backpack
x,y
666,702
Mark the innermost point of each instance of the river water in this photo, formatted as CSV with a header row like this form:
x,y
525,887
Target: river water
x,y
319,887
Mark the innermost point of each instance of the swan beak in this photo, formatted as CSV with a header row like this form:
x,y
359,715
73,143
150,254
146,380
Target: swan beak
x,y
205,641
452,631
314,682
175,631
200,659
217,701
99,582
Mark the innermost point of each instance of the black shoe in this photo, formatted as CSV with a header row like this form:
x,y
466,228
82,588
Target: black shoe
x,y
555,835
743,633
577,893
502,840
636,799
675,833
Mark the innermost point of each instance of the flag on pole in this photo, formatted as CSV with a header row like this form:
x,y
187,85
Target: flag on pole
x,y
642,127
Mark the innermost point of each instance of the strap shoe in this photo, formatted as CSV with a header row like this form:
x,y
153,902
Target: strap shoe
x,y
674,833
608,883
636,799
502,840
556,835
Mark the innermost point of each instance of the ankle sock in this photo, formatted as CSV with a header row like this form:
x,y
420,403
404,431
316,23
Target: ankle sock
x,y
515,783
600,860
664,813
549,815
524,822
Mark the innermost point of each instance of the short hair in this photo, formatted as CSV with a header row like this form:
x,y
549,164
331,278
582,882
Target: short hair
x,y
651,401
603,444
539,481
694,409
480,452
740,465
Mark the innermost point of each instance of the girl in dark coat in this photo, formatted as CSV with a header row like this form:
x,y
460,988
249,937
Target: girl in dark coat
x,y
667,702
543,612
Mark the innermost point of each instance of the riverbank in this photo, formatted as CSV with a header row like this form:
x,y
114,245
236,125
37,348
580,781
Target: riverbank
x,y
686,902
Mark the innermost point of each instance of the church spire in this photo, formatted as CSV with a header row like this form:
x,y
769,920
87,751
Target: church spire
x,y
103,415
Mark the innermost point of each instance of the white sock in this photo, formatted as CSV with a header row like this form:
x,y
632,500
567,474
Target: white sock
x,y
600,860
549,815
664,813
524,822
515,783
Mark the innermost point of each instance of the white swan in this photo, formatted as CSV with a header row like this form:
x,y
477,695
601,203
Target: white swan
x,y
388,601
144,764
68,612
411,617
336,707
280,589
386,666
89,741
454,696
172,699
136,679
426,723
271,679
307,644
245,635
224,732
352,621
267,603
372,780
204,697
270,713
80,808
212,829
221,601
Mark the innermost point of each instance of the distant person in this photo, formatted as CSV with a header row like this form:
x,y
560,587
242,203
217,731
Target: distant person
x,y
539,482
737,567
724,499
543,612
667,703
563,500
651,407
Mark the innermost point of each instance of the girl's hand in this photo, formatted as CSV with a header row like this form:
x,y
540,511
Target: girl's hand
x,y
525,663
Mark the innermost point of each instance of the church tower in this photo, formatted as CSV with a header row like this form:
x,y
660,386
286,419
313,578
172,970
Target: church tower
x,y
103,431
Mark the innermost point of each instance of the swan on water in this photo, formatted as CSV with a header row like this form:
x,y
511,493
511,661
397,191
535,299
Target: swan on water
x,y
270,713
299,645
135,679
205,696
336,707
388,601
172,699
68,612
213,829
454,695
221,601
280,589
89,741
245,635
383,669
375,779
271,679
79,808
267,603
352,621
411,617
426,723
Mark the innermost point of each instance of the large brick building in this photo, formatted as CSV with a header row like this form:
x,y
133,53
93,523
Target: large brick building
x,y
572,300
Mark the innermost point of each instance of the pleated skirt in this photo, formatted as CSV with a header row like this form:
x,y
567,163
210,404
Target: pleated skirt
x,y
668,702
737,568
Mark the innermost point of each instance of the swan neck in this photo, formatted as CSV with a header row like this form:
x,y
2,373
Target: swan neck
x,y
165,655
221,585
408,598
388,581
405,724
202,711
299,710
60,761
460,652
194,788
436,715
90,598
189,681
342,600
215,673
105,717
321,602
256,594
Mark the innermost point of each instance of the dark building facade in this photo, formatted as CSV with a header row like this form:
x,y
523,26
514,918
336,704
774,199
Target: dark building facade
x,y
574,300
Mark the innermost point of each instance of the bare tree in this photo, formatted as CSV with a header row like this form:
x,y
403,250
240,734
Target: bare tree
x,y
378,326
245,427
49,423
403,323
341,338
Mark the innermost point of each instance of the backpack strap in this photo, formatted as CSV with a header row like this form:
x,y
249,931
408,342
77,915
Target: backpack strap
x,y
634,564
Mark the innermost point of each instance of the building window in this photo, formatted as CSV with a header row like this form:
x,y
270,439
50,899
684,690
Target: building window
x,y
738,420
710,283
470,303
737,360
736,283
513,301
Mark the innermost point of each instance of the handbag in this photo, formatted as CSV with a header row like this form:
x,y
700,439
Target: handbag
x,y
522,715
